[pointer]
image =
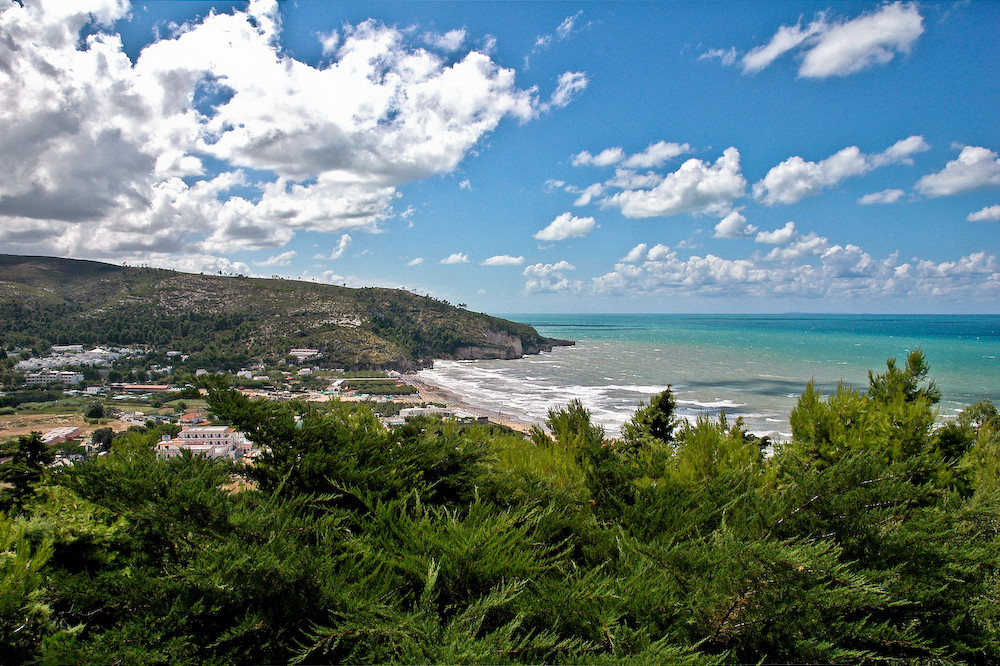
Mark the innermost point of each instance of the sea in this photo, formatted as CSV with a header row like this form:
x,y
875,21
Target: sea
x,y
749,366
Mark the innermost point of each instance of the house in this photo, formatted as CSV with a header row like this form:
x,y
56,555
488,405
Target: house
x,y
302,354
191,419
60,435
67,349
146,388
207,441
43,377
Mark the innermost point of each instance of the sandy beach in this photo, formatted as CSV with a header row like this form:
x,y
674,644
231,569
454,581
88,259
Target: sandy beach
x,y
432,393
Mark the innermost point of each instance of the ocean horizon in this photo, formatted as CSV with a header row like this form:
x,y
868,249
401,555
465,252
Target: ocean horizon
x,y
753,367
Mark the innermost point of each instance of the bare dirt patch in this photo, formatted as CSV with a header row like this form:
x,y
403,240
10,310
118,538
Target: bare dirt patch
x,y
15,425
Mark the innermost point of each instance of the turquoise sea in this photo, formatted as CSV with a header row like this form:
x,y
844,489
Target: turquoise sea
x,y
754,366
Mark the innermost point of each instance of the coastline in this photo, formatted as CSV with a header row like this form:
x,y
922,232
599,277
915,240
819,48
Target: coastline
x,y
433,393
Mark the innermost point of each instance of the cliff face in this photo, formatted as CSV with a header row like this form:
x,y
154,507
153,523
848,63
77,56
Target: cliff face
x,y
506,346
229,321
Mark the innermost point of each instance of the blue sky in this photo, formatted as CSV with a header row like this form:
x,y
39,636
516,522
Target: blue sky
x,y
519,157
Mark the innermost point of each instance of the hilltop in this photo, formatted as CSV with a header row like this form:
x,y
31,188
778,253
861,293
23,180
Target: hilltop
x,y
228,321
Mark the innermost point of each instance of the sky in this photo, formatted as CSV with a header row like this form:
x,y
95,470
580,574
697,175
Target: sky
x,y
518,157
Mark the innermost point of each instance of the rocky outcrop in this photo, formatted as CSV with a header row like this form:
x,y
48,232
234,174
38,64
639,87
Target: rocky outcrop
x,y
506,346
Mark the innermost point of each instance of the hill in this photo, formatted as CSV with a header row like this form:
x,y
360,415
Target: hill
x,y
229,321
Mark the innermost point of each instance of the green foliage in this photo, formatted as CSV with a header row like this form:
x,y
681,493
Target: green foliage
x,y
652,422
27,457
871,537
225,323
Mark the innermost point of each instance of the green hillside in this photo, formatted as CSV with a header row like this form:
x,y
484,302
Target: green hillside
x,y
228,321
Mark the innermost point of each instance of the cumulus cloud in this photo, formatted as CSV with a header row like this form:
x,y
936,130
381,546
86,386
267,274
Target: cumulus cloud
x,y
106,157
566,226
456,258
635,254
504,260
696,187
416,261
588,194
901,152
778,236
569,86
606,157
283,259
734,225
988,214
787,38
871,39
655,154
839,48
883,197
337,252
549,278
795,178
449,41
976,168
815,268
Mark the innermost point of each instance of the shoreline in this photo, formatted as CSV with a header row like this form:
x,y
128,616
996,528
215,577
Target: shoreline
x,y
430,392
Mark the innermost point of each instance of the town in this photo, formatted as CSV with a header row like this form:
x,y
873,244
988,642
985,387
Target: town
x,y
80,399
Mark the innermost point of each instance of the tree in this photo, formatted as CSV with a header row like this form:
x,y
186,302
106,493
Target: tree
x,y
95,411
29,456
653,421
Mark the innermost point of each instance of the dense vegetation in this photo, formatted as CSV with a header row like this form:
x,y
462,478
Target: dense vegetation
x,y
871,536
227,322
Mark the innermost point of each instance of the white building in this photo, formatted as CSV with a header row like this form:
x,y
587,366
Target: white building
x,y
302,354
207,441
43,377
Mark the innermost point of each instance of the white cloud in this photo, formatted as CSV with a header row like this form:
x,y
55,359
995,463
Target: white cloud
x,y
94,148
504,260
696,187
901,152
727,58
778,236
656,154
795,178
456,258
734,225
282,259
606,157
787,38
569,86
566,226
415,261
988,214
635,254
976,168
875,38
338,252
832,48
587,195
813,269
449,41
197,263
329,41
883,197
800,247
562,31
465,185
566,27
659,252
550,278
